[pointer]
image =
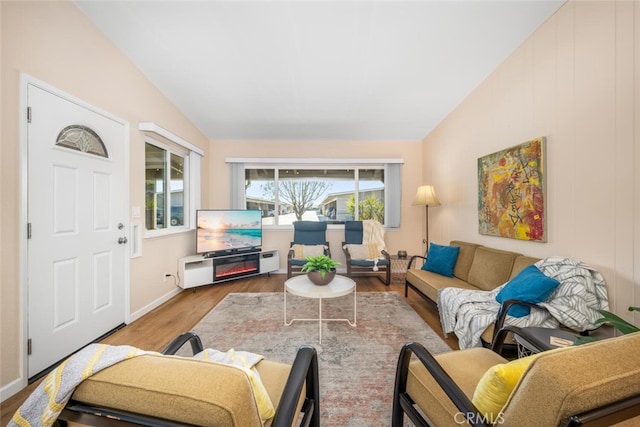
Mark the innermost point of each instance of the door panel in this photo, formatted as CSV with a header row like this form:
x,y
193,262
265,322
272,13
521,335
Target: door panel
x,y
65,293
102,281
65,199
101,211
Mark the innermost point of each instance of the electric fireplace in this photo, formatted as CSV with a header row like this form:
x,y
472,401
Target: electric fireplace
x,y
231,267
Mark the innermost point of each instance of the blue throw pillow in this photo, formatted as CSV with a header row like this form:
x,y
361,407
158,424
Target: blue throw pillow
x,y
530,285
441,259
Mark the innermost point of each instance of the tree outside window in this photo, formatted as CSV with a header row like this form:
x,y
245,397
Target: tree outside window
x,y
369,208
286,194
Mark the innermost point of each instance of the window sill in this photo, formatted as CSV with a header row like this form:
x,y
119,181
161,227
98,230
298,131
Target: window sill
x,y
289,227
152,234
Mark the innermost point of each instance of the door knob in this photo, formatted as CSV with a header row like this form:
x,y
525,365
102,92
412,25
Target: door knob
x,y
122,240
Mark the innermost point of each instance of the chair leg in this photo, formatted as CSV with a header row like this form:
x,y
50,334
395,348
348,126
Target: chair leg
x,y
382,279
386,278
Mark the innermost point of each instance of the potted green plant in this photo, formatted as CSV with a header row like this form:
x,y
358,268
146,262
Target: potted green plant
x,y
320,269
617,322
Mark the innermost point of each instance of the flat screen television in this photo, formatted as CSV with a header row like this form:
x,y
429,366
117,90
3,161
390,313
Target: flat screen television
x,y
226,231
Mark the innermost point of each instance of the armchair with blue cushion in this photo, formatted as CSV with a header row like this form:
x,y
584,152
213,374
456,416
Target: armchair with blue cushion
x,y
360,256
309,239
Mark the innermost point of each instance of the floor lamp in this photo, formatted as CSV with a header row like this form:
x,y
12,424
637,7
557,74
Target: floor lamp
x,y
426,196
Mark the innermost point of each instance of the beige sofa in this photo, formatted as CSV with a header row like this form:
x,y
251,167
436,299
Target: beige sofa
x,y
477,267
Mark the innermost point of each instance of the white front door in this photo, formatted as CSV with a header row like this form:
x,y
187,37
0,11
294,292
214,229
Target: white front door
x,y
77,203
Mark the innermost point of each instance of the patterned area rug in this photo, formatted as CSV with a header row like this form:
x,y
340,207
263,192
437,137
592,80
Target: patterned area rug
x,y
357,363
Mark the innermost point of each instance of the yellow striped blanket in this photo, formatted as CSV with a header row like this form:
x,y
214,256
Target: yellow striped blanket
x,y
44,405
47,401
373,233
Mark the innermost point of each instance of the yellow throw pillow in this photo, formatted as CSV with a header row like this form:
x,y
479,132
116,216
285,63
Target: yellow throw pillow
x,y
495,386
303,251
368,251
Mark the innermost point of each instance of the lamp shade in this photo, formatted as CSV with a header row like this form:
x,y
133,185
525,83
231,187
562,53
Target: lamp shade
x,y
426,196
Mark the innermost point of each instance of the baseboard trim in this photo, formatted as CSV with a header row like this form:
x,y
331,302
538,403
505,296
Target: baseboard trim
x,y
154,304
12,388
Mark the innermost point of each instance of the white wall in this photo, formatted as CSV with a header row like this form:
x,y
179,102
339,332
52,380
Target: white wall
x,y
576,80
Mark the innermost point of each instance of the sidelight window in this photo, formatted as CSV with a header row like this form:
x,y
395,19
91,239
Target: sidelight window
x,y
165,187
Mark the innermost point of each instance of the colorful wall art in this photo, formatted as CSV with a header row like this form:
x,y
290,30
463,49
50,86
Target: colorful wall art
x,y
511,192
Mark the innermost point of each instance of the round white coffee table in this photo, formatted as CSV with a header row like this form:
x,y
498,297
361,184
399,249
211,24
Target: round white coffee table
x,y
303,287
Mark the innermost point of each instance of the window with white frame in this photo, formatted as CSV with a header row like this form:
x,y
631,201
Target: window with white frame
x,y
172,183
333,193
165,187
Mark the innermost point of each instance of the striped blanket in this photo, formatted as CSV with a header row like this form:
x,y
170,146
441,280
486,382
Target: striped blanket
x,y
44,405
47,401
574,303
373,233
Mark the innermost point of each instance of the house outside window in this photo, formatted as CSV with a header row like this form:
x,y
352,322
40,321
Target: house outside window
x,y
331,194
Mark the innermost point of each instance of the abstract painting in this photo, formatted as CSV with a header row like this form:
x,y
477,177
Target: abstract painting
x,y
511,192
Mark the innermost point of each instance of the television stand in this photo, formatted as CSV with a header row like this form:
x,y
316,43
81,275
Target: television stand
x,y
198,270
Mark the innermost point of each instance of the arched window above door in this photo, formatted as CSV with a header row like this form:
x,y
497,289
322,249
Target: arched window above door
x,y
82,138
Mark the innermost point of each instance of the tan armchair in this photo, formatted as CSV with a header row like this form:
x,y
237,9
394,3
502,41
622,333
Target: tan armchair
x,y
595,383
162,390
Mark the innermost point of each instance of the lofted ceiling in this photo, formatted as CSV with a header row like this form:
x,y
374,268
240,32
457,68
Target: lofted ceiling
x,y
317,70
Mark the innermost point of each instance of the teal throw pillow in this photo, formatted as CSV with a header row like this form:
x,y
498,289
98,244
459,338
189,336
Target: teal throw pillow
x,y
441,259
530,285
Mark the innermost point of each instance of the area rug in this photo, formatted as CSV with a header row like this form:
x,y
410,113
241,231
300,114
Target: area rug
x,y
357,363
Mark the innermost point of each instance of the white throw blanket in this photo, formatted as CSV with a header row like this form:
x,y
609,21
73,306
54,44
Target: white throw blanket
x,y
574,303
373,232
47,401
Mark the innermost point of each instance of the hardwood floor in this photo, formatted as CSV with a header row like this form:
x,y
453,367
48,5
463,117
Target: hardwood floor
x,y
154,330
